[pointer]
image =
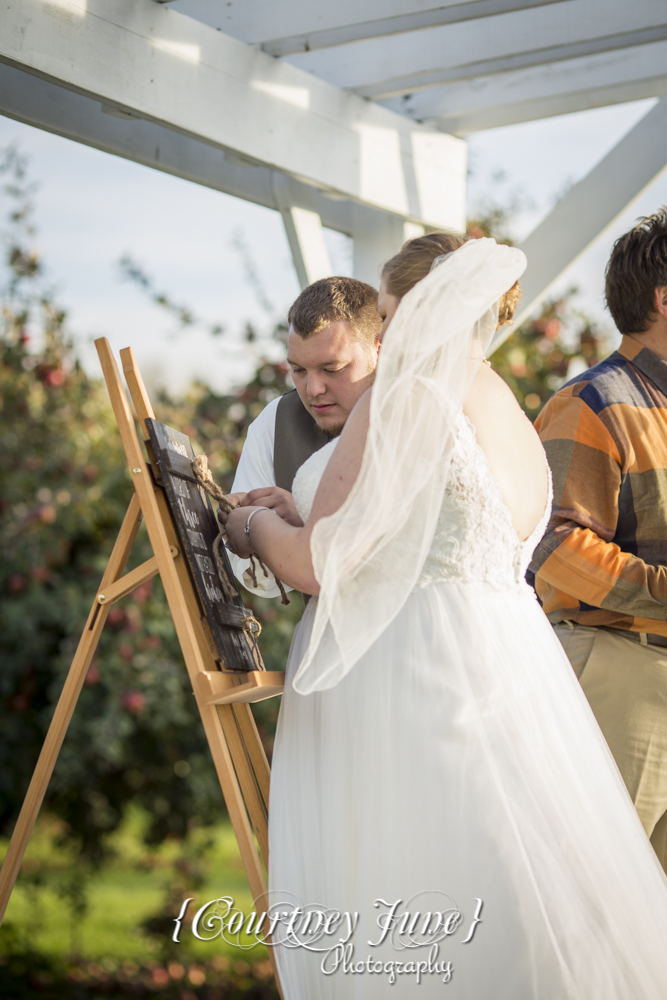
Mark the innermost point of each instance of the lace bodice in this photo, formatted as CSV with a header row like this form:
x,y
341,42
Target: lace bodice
x,y
474,538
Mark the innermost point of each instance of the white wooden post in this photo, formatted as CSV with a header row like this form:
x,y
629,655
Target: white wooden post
x,y
376,237
306,240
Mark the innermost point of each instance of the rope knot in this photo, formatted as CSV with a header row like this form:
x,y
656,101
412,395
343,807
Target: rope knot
x,y
202,474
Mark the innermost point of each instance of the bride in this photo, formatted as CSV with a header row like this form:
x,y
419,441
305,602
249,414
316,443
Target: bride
x,y
445,816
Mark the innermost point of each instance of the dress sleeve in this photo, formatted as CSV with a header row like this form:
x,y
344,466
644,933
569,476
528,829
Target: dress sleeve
x,y
577,558
255,470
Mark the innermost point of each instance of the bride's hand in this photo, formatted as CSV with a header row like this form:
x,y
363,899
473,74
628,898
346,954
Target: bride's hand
x,y
235,523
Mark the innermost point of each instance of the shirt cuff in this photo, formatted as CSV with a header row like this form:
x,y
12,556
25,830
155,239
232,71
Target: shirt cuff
x,y
266,585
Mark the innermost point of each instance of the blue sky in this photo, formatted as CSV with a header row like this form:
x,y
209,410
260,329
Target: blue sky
x,y
93,207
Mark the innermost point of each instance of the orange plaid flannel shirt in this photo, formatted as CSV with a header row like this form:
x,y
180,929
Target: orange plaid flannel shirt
x,y
603,560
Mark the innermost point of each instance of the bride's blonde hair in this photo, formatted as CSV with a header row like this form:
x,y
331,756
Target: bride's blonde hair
x,y
415,258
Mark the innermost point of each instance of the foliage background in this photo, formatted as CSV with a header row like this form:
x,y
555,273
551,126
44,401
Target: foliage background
x,y
135,758
134,736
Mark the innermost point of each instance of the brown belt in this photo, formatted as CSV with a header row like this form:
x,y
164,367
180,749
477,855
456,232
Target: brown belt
x,y
643,638
650,638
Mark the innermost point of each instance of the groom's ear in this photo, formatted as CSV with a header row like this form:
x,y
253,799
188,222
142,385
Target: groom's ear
x,y
661,300
376,348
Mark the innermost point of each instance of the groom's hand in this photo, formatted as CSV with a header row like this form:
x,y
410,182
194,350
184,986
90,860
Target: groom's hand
x,y
235,499
277,499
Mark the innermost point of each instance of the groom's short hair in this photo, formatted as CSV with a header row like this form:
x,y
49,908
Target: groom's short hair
x,y
637,266
334,299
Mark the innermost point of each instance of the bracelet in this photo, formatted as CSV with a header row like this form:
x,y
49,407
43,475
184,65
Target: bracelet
x,y
246,530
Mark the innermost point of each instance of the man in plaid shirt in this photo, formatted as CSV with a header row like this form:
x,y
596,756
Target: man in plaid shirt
x,y
601,569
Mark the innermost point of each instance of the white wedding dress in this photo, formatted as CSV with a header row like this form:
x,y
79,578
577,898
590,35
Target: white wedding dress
x,y
458,762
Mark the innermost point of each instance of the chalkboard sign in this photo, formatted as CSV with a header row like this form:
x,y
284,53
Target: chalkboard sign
x,y
230,626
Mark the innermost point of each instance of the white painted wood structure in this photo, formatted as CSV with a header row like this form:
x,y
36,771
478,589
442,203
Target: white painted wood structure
x,y
348,115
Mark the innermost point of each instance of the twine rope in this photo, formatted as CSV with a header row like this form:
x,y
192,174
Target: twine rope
x,y
202,474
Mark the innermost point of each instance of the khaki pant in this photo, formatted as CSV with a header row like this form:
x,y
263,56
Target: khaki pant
x,y
626,686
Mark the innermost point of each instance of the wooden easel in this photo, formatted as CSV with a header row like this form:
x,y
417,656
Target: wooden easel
x,y
222,696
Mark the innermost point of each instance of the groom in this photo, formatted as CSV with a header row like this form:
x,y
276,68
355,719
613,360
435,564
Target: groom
x,y
601,569
332,351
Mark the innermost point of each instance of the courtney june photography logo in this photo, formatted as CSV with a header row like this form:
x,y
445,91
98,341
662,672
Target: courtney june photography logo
x,y
416,930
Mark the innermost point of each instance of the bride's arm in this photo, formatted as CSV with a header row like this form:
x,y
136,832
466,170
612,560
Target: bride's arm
x,y
284,548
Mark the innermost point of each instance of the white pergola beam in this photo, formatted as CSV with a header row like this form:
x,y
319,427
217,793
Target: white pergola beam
x,y
36,102
43,105
403,63
147,60
590,207
282,28
505,64
540,92
451,13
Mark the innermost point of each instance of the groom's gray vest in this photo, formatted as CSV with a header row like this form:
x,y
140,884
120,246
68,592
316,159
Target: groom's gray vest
x,y
296,439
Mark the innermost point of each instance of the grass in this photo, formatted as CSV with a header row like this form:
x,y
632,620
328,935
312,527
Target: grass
x,y
137,884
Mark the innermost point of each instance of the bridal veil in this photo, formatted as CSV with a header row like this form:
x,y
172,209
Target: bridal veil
x,y
368,555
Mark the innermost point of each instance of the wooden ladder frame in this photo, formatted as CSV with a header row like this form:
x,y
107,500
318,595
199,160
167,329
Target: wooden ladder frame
x,y
222,697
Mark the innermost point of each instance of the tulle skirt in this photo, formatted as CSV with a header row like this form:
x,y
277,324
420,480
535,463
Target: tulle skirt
x,y
454,795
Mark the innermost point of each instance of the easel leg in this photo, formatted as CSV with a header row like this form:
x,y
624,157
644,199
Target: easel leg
x,y
253,743
65,708
246,777
222,759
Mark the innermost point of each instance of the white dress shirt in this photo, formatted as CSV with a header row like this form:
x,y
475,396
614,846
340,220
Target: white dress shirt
x,y
255,470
